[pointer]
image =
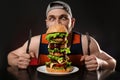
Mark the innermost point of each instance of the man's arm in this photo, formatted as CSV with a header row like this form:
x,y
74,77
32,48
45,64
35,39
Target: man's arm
x,y
20,58
97,58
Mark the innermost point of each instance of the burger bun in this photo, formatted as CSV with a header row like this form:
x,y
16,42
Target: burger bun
x,y
67,70
57,28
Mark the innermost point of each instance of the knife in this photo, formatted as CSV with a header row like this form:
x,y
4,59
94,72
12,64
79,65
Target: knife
x,y
89,41
29,40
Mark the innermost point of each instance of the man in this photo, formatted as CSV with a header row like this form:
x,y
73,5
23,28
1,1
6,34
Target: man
x,y
83,48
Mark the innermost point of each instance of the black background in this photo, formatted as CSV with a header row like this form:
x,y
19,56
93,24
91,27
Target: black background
x,y
98,17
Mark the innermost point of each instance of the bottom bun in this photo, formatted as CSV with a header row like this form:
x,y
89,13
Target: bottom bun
x,y
69,69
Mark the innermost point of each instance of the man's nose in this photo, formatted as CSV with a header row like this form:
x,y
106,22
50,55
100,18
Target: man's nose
x,y
58,21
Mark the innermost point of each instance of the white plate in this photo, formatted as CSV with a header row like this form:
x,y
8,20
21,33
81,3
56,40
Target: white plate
x,y
43,70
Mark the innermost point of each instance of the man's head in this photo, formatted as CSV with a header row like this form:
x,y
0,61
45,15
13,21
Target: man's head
x,y
59,12
59,5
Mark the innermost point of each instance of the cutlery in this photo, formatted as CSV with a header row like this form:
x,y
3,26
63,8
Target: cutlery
x,y
29,40
89,41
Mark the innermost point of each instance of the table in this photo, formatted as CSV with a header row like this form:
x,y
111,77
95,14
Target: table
x,y
13,73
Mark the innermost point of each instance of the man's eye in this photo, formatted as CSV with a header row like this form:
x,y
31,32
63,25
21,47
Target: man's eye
x,y
51,19
64,18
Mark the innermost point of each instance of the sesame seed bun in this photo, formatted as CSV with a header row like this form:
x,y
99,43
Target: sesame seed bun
x,y
56,28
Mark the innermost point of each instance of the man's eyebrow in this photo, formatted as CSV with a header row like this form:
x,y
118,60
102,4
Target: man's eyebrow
x,y
51,16
64,15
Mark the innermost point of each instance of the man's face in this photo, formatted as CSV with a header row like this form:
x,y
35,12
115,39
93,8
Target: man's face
x,y
59,16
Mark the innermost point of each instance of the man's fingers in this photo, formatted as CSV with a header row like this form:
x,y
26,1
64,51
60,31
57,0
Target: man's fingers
x,y
32,54
23,64
91,62
83,57
89,58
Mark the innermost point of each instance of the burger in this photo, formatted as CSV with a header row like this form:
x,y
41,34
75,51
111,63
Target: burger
x,y
58,51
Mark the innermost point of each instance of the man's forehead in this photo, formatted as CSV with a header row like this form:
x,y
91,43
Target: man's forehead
x,y
52,15
57,12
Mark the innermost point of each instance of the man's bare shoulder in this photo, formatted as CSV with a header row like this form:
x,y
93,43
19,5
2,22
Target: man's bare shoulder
x,y
36,37
35,40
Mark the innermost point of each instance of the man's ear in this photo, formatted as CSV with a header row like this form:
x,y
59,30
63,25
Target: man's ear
x,y
72,22
46,23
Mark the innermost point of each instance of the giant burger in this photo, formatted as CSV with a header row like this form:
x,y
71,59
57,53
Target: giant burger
x,y
58,51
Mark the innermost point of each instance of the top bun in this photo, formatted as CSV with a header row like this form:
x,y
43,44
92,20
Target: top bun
x,y
56,28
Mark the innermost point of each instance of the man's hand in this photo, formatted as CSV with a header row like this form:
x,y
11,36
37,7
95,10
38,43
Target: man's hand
x,y
24,60
92,63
